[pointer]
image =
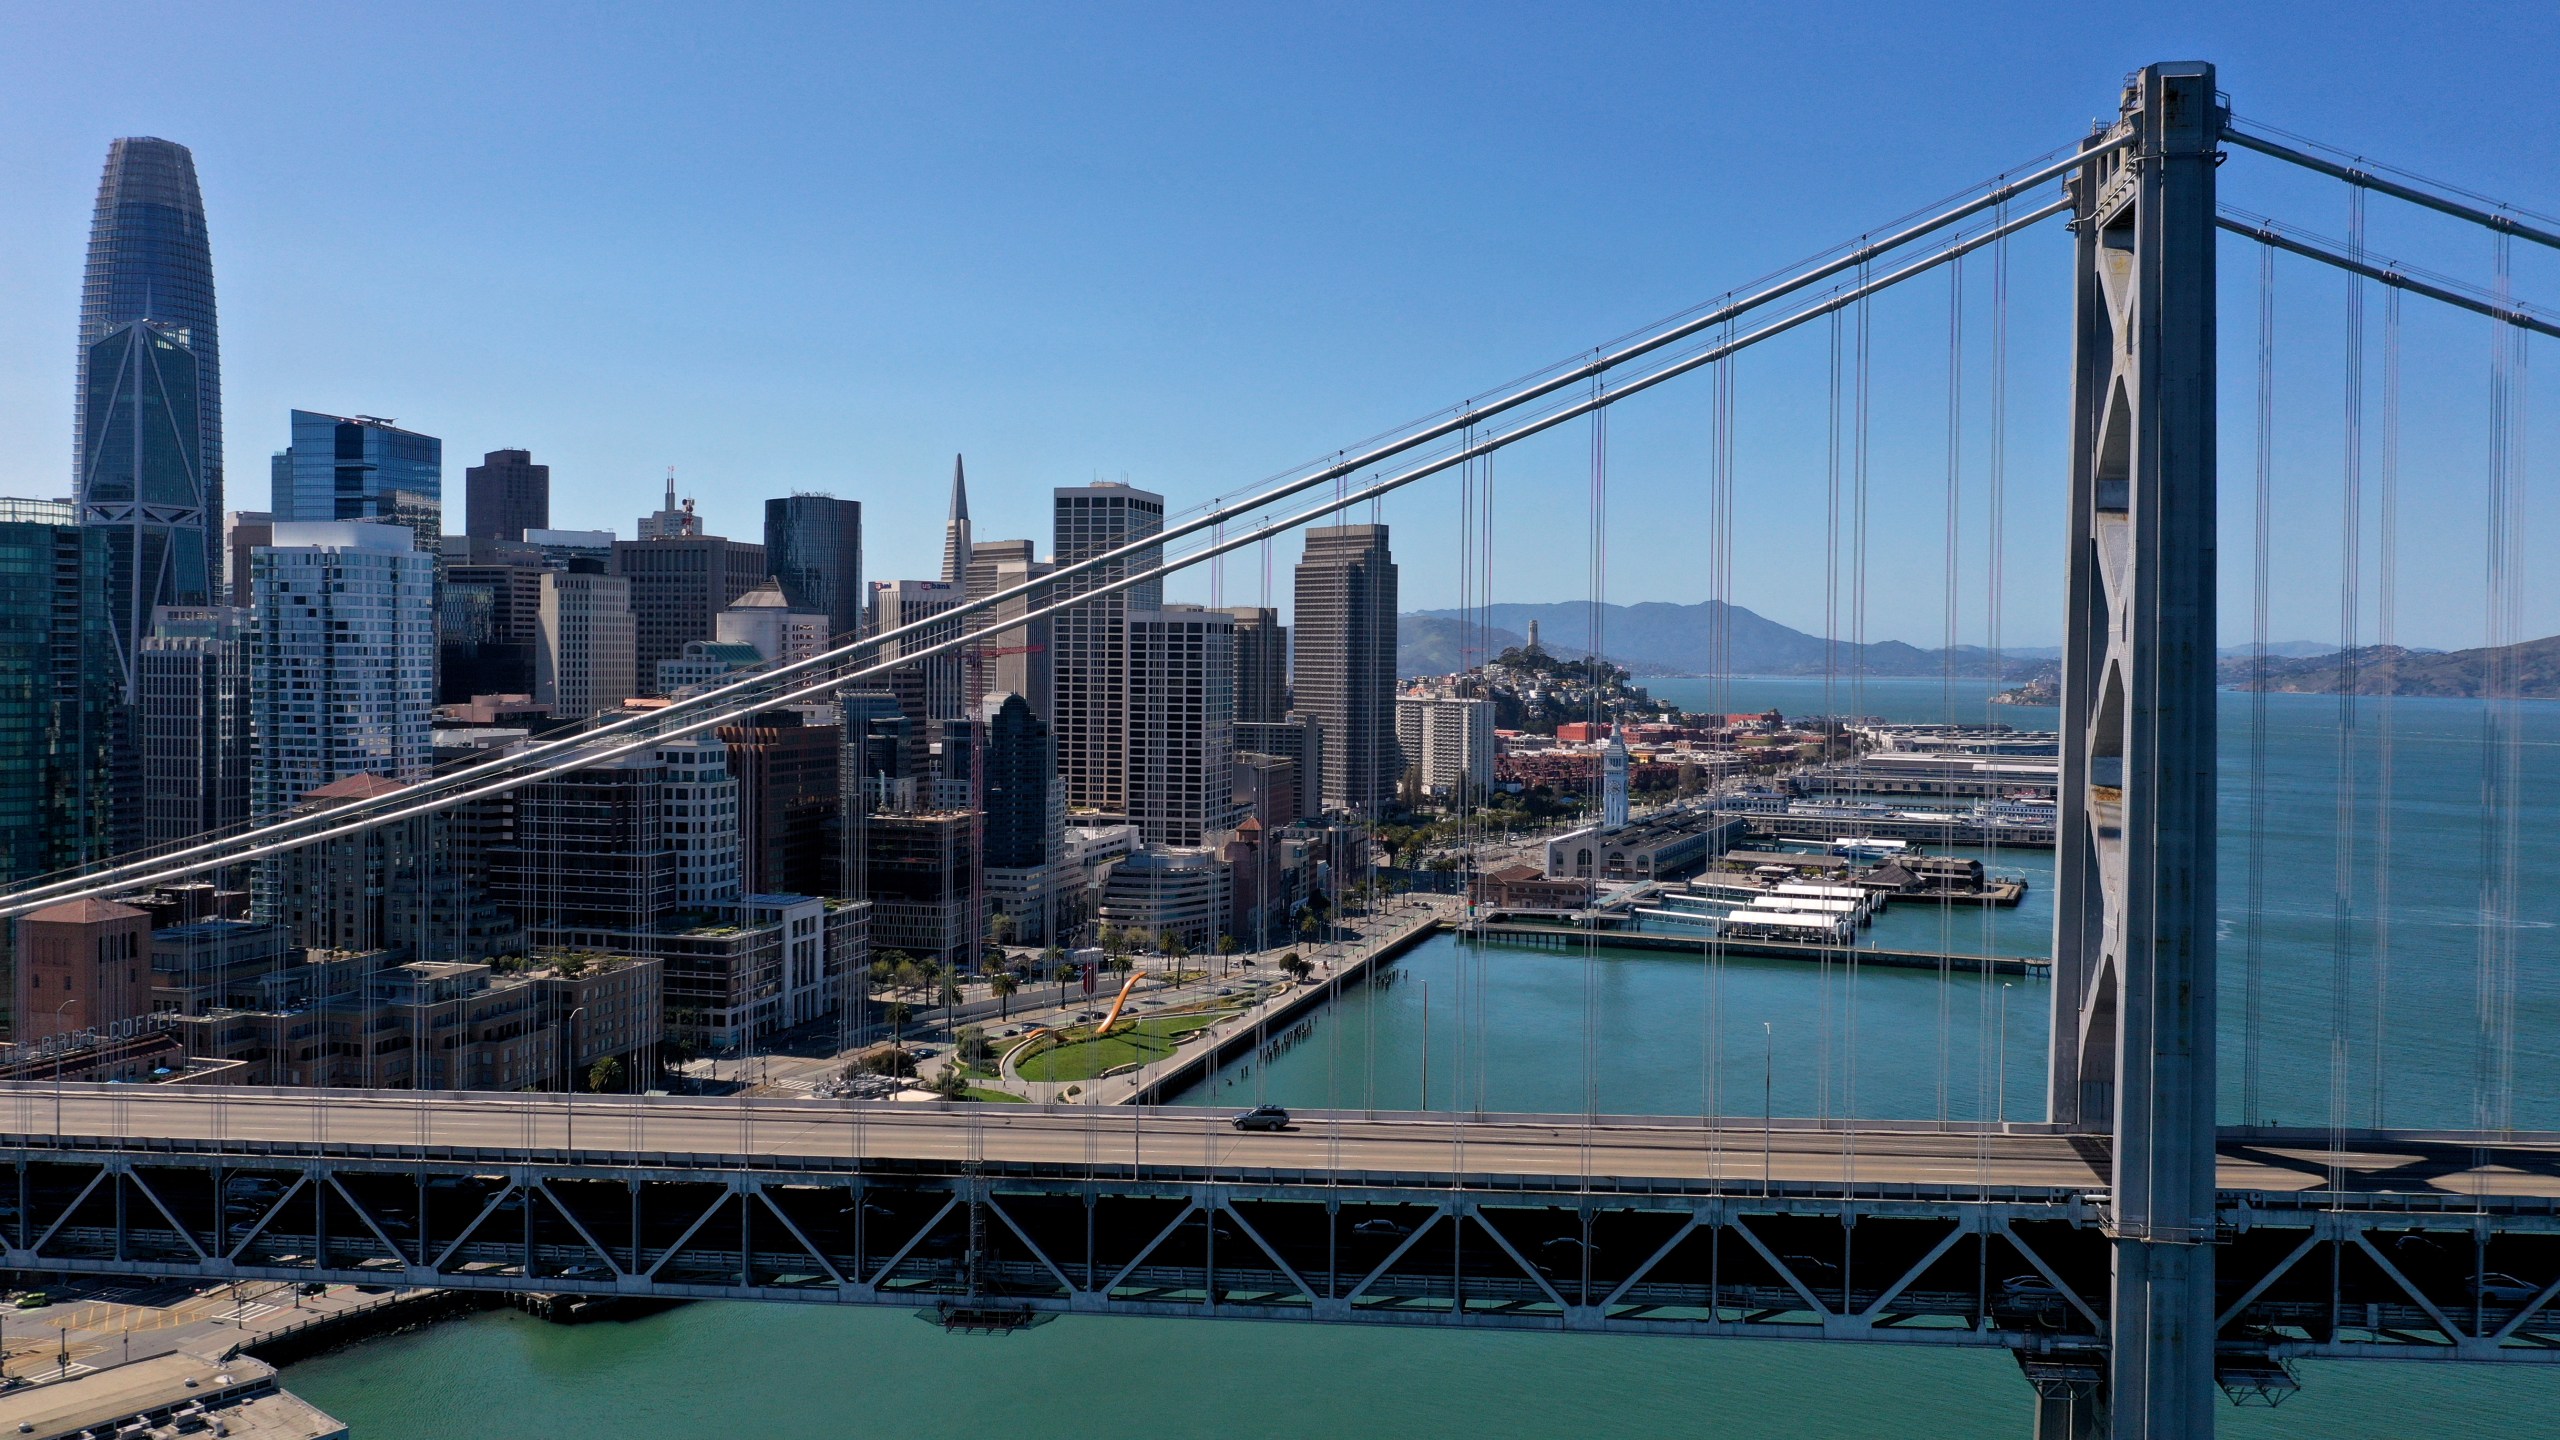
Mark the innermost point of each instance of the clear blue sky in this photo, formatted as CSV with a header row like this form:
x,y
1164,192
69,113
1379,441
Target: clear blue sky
x,y
827,247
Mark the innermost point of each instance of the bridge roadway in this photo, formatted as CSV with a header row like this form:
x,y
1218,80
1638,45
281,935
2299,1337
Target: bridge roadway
x,y
2408,1245
1512,1150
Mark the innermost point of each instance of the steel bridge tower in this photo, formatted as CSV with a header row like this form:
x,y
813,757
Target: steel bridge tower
x,y
2133,975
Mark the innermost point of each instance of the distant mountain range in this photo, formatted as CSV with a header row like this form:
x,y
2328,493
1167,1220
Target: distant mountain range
x,y
1658,639
2534,666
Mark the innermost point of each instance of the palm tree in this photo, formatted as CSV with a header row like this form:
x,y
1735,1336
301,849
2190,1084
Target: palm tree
x,y
1003,984
1056,961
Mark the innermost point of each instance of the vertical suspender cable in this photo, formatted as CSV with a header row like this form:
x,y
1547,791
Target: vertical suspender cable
x,y
1987,1056
2253,944
2342,905
2386,637
1949,597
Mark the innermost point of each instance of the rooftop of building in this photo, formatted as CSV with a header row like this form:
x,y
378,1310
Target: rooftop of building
x,y
86,912
361,786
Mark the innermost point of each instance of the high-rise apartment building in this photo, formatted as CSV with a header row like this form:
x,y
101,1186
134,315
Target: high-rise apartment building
x,y
147,404
193,719
1181,725
1345,670
1262,665
505,495
1089,644
585,656
59,672
813,546
359,467
342,659
1448,740
679,586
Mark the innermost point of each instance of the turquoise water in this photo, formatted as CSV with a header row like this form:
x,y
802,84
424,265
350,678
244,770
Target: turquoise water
x,y
1621,1031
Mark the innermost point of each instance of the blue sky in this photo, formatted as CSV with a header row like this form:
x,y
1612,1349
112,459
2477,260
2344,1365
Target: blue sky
x,y
827,247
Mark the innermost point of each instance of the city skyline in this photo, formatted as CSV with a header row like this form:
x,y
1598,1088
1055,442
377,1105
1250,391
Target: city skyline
x,y
355,312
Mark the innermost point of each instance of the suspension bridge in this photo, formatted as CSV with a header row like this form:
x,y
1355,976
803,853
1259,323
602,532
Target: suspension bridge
x,y
2139,1258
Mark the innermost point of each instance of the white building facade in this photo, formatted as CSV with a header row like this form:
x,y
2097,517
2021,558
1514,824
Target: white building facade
x,y
1450,740
342,658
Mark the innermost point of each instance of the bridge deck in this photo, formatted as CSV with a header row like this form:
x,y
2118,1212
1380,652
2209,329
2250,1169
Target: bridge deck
x,y
1510,1150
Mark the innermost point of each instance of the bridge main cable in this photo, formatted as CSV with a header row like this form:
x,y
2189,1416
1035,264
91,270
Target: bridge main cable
x,y
2275,236
2503,222
415,803
755,693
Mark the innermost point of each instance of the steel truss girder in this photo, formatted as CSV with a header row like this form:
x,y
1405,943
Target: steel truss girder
x,y
1793,1266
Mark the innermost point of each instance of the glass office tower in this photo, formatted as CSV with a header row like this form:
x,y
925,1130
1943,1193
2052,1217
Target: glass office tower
x,y
357,467
147,405
813,547
58,716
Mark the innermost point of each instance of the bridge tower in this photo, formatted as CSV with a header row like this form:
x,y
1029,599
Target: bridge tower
x,y
2133,975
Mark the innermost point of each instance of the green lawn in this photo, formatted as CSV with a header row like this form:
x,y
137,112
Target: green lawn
x,y
1081,1057
994,1097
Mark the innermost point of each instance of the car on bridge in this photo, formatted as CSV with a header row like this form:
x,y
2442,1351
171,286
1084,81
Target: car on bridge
x,y
1262,1117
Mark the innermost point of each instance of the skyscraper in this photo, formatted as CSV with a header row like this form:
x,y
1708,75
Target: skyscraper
x,y
1181,730
1346,662
930,690
679,585
147,408
584,656
813,547
1026,870
58,675
194,719
142,479
506,494
1016,657
1090,642
1262,665
342,663
955,531
360,467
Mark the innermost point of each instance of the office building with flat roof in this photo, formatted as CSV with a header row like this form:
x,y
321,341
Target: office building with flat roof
x,y
1089,644
359,467
1344,669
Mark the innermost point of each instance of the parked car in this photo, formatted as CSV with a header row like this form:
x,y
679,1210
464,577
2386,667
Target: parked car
x,y
1263,1117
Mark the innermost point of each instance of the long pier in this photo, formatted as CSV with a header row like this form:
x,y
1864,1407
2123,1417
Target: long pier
x,y
1556,937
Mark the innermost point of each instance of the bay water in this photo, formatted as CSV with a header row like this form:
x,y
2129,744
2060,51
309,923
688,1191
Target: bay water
x,y
2443,1022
